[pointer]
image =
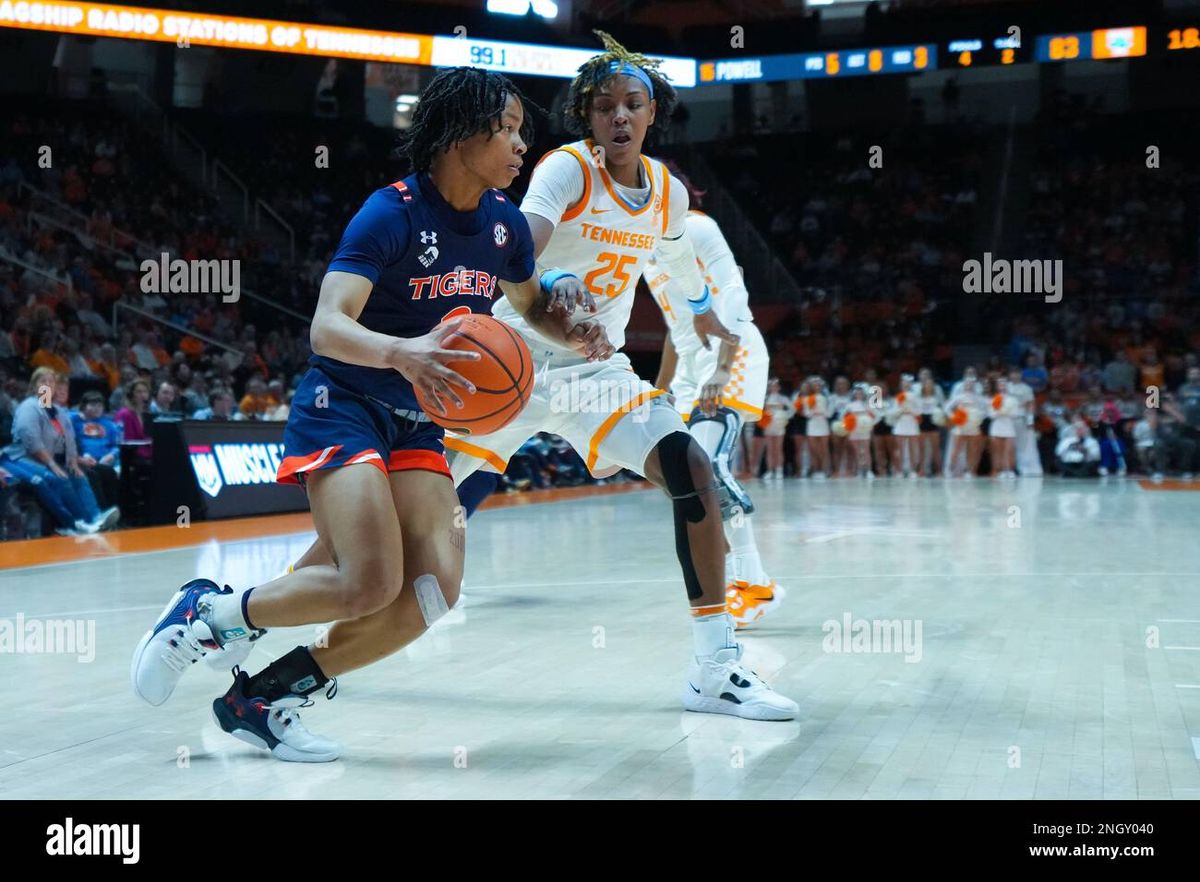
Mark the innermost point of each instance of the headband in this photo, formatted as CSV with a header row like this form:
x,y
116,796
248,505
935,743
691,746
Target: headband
x,y
624,67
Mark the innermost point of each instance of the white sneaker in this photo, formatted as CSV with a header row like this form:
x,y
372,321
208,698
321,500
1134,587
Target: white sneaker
x,y
179,639
275,727
1103,472
719,684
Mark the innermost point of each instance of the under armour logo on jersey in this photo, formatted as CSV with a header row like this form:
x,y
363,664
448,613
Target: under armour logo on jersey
x,y
428,237
500,234
428,256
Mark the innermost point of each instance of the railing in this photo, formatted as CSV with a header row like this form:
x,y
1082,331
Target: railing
x,y
118,307
49,206
751,249
8,257
283,226
224,183
287,310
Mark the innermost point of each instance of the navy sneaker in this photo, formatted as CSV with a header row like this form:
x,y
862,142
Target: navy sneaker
x,y
275,727
179,639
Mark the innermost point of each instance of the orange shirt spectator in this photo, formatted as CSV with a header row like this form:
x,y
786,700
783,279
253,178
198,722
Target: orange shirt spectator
x,y
45,358
255,406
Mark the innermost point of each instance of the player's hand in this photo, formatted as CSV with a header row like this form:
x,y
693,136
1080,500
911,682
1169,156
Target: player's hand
x,y
87,460
710,392
422,361
591,340
568,293
708,325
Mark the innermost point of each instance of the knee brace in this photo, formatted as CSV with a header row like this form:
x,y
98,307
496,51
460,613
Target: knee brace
x,y
685,498
718,435
430,598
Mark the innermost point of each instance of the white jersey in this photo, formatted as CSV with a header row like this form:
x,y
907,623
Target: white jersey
x,y
720,272
603,236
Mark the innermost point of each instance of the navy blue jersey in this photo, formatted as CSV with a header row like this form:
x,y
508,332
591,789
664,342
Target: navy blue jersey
x,y
428,262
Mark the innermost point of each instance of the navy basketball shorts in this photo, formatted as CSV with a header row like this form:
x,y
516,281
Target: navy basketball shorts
x,y
330,427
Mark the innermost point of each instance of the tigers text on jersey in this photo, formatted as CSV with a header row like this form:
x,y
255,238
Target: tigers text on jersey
x,y
603,239
428,262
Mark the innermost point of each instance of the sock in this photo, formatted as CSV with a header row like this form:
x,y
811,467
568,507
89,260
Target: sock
x,y
227,616
743,552
296,673
712,630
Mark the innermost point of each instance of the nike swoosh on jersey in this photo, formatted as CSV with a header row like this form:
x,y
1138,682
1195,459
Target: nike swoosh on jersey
x,y
600,210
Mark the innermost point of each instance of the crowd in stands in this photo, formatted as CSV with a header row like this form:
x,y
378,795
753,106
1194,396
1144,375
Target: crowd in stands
x,y
1106,381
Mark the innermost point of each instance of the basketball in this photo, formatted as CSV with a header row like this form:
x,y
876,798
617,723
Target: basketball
x,y
503,378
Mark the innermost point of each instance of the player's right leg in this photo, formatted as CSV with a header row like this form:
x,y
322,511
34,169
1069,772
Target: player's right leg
x,y
337,438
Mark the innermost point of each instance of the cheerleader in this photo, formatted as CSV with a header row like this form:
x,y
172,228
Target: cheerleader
x,y
964,414
779,408
906,428
838,446
1025,448
883,442
932,416
798,426
1004,409
816,409
857,423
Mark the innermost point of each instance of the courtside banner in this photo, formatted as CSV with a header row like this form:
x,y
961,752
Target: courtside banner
x,y
220,470
226,31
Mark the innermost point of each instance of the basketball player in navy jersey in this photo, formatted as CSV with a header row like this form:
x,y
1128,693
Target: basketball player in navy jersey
x,y
421,251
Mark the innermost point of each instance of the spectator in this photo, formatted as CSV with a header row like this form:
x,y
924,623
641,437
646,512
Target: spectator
x,y
1078,453
99,442
164,403
43,453
1119,375
220,408
132,416
256,402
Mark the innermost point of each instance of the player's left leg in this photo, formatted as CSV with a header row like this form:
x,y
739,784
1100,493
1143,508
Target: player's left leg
x,y
750,593
645,434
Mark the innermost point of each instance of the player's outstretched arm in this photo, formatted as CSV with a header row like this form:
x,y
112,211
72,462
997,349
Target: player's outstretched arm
x,y
336,333
710,392
532,301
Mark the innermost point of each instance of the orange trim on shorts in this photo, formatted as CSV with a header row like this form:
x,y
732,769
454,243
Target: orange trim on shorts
x,y
748,409
418,460
293,465
460,446
612,419
585,200
708,610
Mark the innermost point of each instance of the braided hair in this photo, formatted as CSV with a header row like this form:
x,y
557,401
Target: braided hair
x,y
597,71
458,103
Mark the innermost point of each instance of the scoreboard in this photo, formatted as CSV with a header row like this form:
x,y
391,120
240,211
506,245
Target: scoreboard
x,y
984,51
820,65
1098,44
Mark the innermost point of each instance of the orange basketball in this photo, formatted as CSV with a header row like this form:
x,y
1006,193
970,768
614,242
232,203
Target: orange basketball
x,y
503,378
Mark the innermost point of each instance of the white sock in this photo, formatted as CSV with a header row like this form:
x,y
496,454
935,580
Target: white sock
x,y
226,618
743,552
711,634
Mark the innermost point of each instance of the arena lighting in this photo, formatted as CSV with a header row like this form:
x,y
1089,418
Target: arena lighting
x,y
544,8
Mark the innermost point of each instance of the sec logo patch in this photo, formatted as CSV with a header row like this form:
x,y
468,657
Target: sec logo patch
x,y
500,234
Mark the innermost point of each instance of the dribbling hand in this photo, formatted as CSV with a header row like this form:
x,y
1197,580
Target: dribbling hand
x,y
422,361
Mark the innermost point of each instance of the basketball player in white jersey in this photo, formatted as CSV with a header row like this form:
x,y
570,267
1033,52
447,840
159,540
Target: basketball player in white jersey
x,y
716,392
598,209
